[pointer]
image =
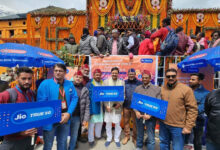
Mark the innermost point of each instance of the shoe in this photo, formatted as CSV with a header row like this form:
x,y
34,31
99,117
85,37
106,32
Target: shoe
x,y
125,140
118,144
107,143
91,144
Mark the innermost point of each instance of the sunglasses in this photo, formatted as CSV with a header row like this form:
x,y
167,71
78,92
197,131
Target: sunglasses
x,y
171,76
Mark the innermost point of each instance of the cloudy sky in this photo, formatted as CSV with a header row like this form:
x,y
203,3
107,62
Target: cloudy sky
x,y
27,5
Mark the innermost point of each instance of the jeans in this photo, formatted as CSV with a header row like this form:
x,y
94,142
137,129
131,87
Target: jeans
x,y
62,131
197,141
212,146
150,133
74,128
169,133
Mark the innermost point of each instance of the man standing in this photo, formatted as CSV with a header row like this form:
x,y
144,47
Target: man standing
x,y
128,113
96,110
113,110
181,112
144,119
85,71
81,113
71,47
212,110
200,94
54,89
20,94
116,46
101,41
133,42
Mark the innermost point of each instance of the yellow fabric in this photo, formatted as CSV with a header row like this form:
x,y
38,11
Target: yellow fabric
x,y
123,10
154,23
103,11
155,11
102,21
155,43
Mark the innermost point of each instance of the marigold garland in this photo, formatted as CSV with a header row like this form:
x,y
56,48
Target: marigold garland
x,y
180,23
103,11
57,21
200,24
33,22
66,24
215,19
156,11
123,11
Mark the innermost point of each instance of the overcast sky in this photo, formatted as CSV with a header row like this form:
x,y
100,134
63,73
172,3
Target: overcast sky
x,y
28,5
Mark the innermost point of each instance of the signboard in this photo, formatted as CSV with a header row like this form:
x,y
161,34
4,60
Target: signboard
x,y
18,117
108,93
149,105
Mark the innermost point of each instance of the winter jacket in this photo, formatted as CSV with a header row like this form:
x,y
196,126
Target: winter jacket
x,y
84,102
87,45
135,47
95,107
200,95
121,47
146,47
182,107
102,44
212,109
49,90
130,86
72,49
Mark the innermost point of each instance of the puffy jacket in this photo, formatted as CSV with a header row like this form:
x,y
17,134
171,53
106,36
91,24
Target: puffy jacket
x,y
212,109
49,90
87,45
95,107
130,86
200,94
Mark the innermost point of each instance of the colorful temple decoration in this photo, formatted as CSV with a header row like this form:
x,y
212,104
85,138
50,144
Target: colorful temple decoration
x,y
47,27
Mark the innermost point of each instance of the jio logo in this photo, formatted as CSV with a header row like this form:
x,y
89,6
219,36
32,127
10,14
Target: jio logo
x,y
20,116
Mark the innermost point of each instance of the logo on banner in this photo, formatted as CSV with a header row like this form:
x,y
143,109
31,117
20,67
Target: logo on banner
x,y
109,93
146,60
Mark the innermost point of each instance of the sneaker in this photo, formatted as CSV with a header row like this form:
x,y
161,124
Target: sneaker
x,y
91,144
107,143
125,140
118,144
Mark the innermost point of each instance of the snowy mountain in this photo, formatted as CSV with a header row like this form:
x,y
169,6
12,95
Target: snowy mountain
x,y
5,11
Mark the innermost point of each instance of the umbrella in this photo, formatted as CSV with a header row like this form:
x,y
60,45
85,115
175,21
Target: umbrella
x,y
210,56
12,54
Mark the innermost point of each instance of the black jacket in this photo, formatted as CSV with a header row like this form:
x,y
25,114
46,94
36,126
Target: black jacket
x,y
212,109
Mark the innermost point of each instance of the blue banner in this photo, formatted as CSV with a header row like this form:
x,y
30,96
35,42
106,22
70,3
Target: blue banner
x,y
150,105
18,117
107,93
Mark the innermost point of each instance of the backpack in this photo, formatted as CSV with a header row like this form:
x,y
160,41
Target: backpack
x,y
13,95
170,43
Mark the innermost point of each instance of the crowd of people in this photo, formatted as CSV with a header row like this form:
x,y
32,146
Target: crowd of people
x,y
162,41
186,112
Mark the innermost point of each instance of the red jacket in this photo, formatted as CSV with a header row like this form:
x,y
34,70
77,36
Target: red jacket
x,y
5,98
161,33
146,47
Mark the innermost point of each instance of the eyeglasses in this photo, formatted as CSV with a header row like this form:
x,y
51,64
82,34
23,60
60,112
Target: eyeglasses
x,y
171,76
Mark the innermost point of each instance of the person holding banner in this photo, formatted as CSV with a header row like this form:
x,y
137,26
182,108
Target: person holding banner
x,y
64,90
181,112
144,119
96,111
20,94
129,113
113,110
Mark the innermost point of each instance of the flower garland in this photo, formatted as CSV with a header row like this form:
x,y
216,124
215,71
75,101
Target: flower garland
x,y
37,22
130,3
53,20
200,19
102,11
123,11
70,21
179,19
155,7
216,18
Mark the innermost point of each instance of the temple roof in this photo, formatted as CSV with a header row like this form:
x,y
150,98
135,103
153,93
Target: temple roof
x,y
210,10
14,17
57,11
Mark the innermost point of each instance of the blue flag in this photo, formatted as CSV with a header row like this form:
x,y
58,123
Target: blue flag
x,y
149,105
19,117
107,93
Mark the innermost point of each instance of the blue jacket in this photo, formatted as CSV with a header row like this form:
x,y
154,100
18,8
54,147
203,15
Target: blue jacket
x,y
200,95
94,106
49,90
130,86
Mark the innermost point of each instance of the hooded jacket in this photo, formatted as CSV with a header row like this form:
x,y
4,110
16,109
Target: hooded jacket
x,y
87,45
